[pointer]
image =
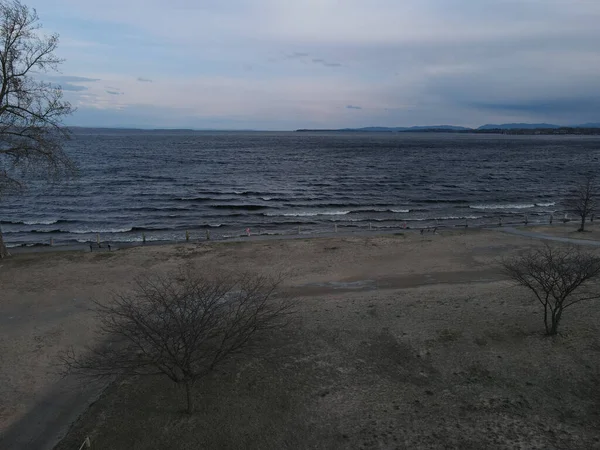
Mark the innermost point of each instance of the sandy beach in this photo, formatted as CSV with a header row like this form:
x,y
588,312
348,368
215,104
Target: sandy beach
x,y
402,341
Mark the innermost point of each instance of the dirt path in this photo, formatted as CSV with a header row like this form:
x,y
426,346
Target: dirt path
x,y
547,237
46,424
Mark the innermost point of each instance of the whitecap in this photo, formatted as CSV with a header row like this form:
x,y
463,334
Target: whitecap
x,y
40,222
103,230
507,206
311,213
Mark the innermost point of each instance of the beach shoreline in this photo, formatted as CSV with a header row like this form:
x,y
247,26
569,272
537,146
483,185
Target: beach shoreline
x,y
558,229
414,287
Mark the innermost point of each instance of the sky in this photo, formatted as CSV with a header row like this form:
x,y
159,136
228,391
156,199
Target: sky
x,y
288,64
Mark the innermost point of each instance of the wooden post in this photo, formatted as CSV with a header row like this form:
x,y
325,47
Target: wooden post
x,y
208,235
3,250
526,219
500,222
551,217
143,238
298,229
335,227
370,227
98,239
51,242
187,236
466,223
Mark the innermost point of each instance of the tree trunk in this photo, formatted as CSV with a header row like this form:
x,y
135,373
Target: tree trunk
x,y
190,397
546,319
582,223
3,250
555,321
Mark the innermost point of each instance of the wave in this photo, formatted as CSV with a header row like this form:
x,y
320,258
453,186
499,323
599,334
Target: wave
x,y
41,231
247,193
366,210
507,206
98,230
35,222
177,228
457,218
243,207
194,199
441,201
308,214
380,210
543,205
40,222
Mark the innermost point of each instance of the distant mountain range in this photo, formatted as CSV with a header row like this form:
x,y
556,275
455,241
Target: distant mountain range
x,y
534,126
487,127
421,128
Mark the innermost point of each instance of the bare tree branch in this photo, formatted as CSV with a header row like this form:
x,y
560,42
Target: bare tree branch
x,y
181,326
582,198
559,277
31,111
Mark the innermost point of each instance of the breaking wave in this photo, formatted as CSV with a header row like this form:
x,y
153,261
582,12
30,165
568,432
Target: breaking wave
x,y
507,206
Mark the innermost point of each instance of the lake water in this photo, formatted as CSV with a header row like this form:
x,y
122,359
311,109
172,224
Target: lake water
x,y
164,183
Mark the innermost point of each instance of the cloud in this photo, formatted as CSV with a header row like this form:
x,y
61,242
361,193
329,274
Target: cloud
x,y
71,79
72,87
414,62
325,63
144,80
353,107
114,92
297,55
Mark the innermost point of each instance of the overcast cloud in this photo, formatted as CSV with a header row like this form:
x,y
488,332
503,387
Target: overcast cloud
x,y
273,64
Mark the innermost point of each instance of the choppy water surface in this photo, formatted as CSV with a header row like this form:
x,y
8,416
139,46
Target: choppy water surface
x,y
163,183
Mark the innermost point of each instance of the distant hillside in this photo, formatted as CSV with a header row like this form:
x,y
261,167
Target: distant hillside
x,y
437,127
400,129
519,126
513,128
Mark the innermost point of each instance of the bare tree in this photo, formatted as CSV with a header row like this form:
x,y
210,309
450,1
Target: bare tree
x,y
582,199
31,110
559,277
181,326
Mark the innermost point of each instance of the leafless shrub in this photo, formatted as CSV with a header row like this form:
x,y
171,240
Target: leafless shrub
x,y
181,326
559,277
582,199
